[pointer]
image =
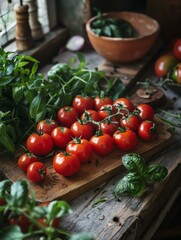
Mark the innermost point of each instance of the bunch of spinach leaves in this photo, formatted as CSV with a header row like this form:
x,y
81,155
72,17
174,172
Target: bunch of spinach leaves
x,y
112,27
139,177
26,96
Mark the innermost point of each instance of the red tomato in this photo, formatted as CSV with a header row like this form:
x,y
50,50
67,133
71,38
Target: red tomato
x,y
176,73
164,64
130,121
101,101
46,126
125,103
2,202
81,103
81,130
125,140
66,164
109,126
177,49
91,115
36,172
61,136
147,130
22,221
25,160
146,111
67,116
106,110
80,147
39,144
102,144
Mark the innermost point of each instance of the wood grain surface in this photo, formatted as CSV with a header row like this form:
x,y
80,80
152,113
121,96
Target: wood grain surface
x,y
91,174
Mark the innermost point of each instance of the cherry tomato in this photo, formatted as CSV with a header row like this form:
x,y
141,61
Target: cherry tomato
x,y
177,49
46,126
80,147
67,116
106,110
91,115
81,103
36,172
109,126
164,64
61,136
125,140
39,144
25,160
147,130
101,101
66,164
102,144
176,73
130,121
125,103
146,111
82,130
2,202
22,221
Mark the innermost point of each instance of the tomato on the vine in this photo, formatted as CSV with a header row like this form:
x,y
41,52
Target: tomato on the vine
x,y
79,129
146,112
125,103
66,164
130,121
39,144
36,172
102,144
91,115
109,126
67,116
80,147
164,64
61,136
25,160
106,110
81,103
101,101
177,49
125,139
147,130
176,73
46,126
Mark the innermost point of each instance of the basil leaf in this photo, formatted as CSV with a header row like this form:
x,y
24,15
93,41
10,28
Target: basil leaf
x,y
11,233
37,109
5,139
134,163
4,187
18,93
155,173
132,184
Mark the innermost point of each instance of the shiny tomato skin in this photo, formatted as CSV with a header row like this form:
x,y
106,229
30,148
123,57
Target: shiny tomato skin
x,y
101,101
81,103
109,126
125,103
66,164
164,64
177,49
39,144
81,130
106,110
67,116
176,73
131,122
61,136
46,126
147,130
25,160
36,172
146,111
102,144
80,147
126,140
94,115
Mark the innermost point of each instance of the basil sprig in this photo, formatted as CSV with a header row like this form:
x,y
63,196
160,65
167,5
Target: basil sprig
x,y
139,177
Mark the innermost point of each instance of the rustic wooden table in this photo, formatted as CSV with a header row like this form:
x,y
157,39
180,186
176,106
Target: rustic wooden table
x,y
129,218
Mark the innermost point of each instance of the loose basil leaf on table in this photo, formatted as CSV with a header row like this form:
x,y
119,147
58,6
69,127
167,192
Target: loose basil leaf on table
x,y
155,173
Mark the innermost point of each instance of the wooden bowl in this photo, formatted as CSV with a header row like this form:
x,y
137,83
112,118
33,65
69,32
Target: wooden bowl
x,y
125,50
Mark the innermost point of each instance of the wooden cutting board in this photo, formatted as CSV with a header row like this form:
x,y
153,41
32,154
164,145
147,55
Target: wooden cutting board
x,y
99,169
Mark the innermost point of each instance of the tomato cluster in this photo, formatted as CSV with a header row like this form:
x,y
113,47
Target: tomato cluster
x,y
169,64
89,125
